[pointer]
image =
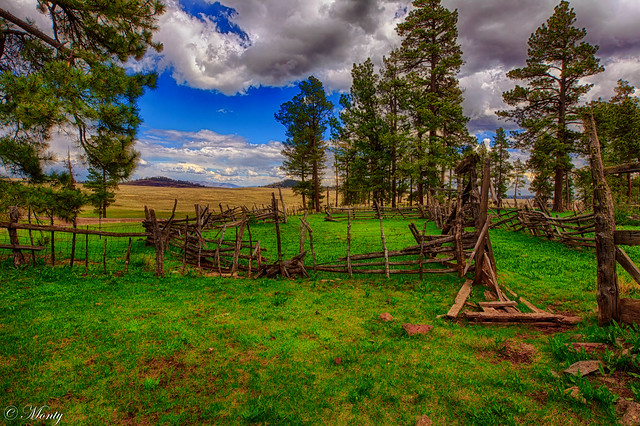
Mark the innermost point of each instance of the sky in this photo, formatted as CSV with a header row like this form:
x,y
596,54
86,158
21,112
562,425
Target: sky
x,y
227,66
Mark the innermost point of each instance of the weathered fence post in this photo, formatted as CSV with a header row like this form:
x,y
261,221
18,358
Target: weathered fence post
x,y
18,257
73,243
158,242
384,247
284,209
274,203
608,293
349,244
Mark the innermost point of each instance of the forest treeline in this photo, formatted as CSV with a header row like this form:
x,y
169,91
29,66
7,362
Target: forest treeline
x,y
401,129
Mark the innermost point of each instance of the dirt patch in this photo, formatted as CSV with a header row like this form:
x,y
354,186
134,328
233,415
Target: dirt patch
x,y
618,383
516,352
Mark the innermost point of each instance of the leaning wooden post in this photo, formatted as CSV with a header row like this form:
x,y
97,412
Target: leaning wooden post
x,y
384,247
239,235
157,239
274,203
185,245
313,253
284,209
608,296
18,257
349,244
303,232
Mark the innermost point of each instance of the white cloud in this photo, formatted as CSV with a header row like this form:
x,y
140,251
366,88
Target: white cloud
x,y
208,156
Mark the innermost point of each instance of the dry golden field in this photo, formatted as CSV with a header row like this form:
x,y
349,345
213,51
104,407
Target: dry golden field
x,y
130,199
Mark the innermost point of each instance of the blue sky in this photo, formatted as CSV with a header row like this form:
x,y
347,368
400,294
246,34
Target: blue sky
x,y
228,65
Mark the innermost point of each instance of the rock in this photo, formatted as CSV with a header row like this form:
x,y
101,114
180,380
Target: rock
x,y
413,329
574,392
583,368
424,421
337,361
385,317
631,412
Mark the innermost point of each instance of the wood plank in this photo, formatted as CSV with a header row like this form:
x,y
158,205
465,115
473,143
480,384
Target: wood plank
x,y
630,311
626,237
20,247
461,298
622,168
498,304
625,261
519,317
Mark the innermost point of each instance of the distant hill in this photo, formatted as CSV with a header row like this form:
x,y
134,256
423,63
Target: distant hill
x,y
287,183
164,181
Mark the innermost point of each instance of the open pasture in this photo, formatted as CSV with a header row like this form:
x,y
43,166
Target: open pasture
x,y
197,349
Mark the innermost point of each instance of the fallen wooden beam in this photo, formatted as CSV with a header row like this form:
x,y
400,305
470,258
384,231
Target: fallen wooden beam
x,y
461,298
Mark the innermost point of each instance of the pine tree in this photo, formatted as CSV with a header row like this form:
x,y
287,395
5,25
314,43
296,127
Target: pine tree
x,y
546,108
393,97
364,129
431,57
306,118
501,168
73,78
618,125
519,170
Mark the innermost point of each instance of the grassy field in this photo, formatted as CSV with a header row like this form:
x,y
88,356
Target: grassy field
x,y
194,349
131,199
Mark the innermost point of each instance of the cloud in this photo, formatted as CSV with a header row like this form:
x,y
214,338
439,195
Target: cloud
x,y
282,41
494,33
207,156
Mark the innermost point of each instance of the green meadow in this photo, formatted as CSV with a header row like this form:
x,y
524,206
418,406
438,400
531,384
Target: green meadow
x,y
197,349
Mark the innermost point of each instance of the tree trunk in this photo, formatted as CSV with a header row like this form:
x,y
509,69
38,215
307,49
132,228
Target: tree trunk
x,y
557,190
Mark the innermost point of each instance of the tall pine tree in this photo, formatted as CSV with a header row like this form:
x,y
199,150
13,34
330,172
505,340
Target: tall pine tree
x,y
73,78
431,57
306,117
546,107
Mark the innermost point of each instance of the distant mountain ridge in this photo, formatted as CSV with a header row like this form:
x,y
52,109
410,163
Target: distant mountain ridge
x,y
162,181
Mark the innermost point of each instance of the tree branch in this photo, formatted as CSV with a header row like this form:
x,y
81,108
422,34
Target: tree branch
x,y
33,30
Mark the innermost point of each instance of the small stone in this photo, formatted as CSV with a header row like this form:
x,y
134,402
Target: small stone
x,y
337,361
583,368
424,421
631,414
413,329
210,349
385,317
574,392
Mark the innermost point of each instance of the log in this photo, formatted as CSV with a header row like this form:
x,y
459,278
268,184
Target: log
x,y
519,317
626,238
52,228
622,168
460,300
630,311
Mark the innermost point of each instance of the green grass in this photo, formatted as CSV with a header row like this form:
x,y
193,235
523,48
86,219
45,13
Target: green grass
x,y
108,349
